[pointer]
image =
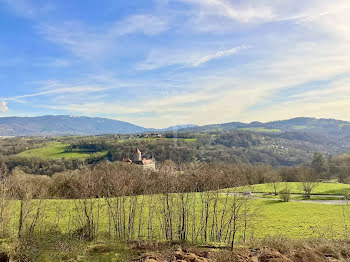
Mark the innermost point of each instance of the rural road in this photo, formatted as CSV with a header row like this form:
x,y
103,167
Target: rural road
x,y
327,202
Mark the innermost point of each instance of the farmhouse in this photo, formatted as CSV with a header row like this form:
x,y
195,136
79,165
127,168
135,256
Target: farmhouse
x,y
149,164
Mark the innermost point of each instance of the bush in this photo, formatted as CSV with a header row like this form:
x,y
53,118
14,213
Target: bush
x,y
285,194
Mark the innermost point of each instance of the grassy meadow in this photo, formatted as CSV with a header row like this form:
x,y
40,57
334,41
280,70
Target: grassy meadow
x,y
273,217
56,150
261,129
118,222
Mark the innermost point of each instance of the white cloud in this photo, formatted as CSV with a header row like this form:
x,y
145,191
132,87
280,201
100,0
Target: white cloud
x,y
91,43
91,85
222,16
218,54
74,37
3,106
337,108
233,10
161,58
299,44
146,24
231,94
58,90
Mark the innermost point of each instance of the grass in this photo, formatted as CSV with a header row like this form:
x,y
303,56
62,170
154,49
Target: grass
x,y
297,220
292,220
276,218
299,127
56,247
56,150
297,188
260,129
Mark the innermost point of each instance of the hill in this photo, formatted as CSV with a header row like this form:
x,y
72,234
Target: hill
x,y
323,126
64,125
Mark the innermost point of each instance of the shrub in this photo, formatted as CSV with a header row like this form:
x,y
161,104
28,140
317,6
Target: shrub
x,y
285,194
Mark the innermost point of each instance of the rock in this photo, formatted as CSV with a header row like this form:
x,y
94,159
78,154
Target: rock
x,y
190,257
179,255
254,259
270,255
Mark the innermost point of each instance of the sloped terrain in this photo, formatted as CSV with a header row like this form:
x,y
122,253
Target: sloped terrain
x,y
64,125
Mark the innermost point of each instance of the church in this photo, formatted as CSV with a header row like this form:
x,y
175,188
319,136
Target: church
x,y
147,164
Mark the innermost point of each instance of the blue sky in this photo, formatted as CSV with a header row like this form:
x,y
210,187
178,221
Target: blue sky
x,y
167,62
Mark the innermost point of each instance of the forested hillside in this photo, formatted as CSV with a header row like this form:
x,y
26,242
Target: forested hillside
x,y
47,156
323,126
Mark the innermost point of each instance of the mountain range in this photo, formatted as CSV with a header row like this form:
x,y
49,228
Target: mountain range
x,y
61,125
73,125
329,127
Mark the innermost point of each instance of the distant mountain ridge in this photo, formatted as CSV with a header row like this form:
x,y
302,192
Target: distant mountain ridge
x,y
64,125
81,125
324,126
179,127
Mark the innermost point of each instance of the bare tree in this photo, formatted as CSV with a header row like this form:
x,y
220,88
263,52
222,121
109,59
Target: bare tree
x,y
86,207
275,179
308,187
238,203
5,199
25,187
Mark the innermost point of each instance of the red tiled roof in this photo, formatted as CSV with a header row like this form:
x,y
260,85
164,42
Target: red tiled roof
x,y
147,161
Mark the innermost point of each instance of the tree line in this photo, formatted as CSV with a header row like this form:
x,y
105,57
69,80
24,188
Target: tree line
x,y
190,177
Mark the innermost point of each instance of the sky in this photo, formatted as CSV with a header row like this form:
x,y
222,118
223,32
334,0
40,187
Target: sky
x,y
159,63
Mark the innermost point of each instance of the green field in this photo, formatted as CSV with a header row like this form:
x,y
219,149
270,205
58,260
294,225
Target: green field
x,y
56,150
60,221
260,129
275,218
297,188
298,220
299,127
272,217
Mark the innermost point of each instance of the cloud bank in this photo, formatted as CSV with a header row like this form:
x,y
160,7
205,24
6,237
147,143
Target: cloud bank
x,y
3,106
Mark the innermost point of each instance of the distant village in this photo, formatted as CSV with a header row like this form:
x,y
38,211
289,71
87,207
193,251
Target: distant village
x,y
141,135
